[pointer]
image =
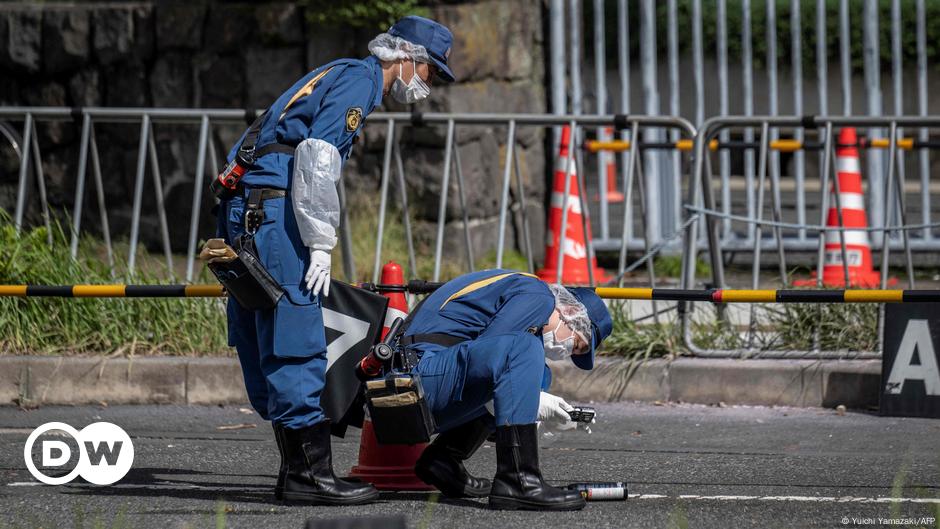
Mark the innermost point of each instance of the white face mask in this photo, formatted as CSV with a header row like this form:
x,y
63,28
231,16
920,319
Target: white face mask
x,y
411,92
555,350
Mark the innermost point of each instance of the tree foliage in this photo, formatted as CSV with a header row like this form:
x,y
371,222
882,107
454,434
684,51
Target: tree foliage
x,y
365,14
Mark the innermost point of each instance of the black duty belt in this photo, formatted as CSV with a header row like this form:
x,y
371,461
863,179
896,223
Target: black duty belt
x,y
267,193
445,340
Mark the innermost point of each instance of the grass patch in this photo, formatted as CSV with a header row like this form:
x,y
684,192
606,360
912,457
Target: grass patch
x,y
640,342
169,326
138,326
839,327
671,266
161,326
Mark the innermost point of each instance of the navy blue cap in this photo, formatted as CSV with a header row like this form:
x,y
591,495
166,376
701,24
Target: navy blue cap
x,y
601,324
435,38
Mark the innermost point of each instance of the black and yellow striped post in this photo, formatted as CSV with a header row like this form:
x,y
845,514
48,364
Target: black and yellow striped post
x,y
656,294
112,291
771,296
781,145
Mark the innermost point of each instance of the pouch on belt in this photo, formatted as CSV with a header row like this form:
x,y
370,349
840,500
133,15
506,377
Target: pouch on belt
x,y
246,279
399,409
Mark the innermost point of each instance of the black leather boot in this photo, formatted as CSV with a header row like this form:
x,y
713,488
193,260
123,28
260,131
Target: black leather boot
x,y
518,483
441,463
309,476
282,471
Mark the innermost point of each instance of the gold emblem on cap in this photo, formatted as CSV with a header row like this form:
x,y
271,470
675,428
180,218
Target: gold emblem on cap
x,y
353,119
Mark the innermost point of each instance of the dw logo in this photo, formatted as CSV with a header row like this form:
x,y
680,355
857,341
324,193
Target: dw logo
x,y
105,453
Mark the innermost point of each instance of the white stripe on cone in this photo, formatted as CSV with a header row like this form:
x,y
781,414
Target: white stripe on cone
x,y
856,237
572,248
561,164
391,314
850,201
848,164
574,203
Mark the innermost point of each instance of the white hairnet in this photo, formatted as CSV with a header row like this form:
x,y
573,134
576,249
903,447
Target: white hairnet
x,y
572,311
391,48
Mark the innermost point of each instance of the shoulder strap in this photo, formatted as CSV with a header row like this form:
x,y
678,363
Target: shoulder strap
x,y
251,137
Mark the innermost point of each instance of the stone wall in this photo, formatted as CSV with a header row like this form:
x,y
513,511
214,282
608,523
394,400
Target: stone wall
x,y
231,55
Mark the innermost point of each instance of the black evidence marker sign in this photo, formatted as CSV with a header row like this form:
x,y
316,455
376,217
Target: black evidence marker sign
x,y
910,379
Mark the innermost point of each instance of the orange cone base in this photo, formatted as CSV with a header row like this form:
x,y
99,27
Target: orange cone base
x,y
573,275
856,280
387,467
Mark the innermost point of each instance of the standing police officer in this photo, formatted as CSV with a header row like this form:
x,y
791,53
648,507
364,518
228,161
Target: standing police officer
x,y
303,139
484,337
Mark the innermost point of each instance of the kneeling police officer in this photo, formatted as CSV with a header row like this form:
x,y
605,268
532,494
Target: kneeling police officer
x,y
287,199
484,337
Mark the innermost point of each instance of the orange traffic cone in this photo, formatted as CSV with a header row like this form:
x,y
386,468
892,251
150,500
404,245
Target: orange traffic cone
x,y
852,200
609,163
576,261
389,467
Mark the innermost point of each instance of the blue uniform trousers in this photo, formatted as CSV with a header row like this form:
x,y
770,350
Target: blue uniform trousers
x,y
505,368
282,351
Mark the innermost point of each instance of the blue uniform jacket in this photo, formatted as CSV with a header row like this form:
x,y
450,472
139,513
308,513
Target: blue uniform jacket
x,y
329,103
485,303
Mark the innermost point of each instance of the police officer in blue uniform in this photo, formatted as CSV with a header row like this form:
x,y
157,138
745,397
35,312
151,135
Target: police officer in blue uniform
x,y
484,337
297,154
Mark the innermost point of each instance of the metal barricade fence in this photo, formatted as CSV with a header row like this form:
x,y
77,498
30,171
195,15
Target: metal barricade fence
x,y
893,228
730,55
28,150
717,239
573,163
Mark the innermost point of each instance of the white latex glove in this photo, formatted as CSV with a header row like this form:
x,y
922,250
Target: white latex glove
x,y
318,274
553,412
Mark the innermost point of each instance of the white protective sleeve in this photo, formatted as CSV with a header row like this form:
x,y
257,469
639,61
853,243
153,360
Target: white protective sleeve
x,y
317,167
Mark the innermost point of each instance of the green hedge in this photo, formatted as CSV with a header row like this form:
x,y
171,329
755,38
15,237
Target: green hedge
x,y
368,14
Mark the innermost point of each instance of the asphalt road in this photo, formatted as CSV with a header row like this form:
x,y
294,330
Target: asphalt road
x,y
687,466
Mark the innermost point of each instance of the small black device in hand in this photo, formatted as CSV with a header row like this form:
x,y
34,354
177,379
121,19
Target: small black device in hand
x,y
583,414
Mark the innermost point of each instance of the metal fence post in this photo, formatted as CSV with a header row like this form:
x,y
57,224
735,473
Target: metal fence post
x,y
799,157
923,156
80,184
21,189
197,196
139,194
383,199
442,209
651,98
872,64
623,68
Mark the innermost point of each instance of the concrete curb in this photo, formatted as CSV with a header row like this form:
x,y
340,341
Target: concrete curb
x,y
801,383
36,380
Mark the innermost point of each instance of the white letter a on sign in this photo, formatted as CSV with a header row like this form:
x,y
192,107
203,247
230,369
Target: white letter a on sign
x,y
916,338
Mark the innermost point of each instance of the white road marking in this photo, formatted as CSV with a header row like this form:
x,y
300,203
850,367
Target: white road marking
x,y
818,499
720,497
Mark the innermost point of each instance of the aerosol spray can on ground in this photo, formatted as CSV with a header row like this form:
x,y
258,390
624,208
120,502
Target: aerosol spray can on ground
x,y
601,491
